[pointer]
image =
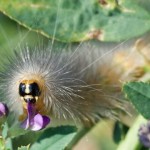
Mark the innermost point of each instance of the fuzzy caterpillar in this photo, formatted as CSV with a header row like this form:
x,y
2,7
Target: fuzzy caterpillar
x,y
82,86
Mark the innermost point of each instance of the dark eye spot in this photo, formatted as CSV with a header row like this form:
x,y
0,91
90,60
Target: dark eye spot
x,y
34,89
22,88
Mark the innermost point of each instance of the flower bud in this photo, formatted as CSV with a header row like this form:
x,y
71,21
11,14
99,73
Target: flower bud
x,y
144,134
3,110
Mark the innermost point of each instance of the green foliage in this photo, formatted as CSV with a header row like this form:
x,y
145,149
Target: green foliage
x,y
119,132
80,20
24,139
55,138
71,21
24,147
139,94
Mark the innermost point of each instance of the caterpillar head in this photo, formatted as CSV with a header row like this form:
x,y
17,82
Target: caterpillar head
x,y
29,91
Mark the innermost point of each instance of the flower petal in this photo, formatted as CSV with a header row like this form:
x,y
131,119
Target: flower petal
x,y
3,110
39,122
46,121
30,114
31,110
34,120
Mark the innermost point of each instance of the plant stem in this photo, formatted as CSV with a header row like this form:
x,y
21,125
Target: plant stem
x,y
8,142
131,141
76,139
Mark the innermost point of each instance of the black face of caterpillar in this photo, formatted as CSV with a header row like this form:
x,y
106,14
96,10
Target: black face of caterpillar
x,y
29,91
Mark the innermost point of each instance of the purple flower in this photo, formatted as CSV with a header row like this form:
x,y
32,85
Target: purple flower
x,y
3,110
144,134
34,120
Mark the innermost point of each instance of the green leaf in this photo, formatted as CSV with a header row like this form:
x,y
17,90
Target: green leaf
x,y
55,138
25,139
5,130
7,140
80,20
24,147
139,94
2,146
15,37
119,132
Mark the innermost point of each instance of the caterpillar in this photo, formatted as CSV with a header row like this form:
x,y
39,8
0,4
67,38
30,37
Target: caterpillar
x,y
81,86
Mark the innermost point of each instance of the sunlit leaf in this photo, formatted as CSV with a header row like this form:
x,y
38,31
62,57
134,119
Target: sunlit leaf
x,y
80,20
55,138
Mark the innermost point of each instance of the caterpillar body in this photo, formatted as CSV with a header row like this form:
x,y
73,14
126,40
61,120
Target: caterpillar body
x,y
80,86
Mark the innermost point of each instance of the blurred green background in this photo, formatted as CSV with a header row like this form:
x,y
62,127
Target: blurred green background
x,y
14,36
